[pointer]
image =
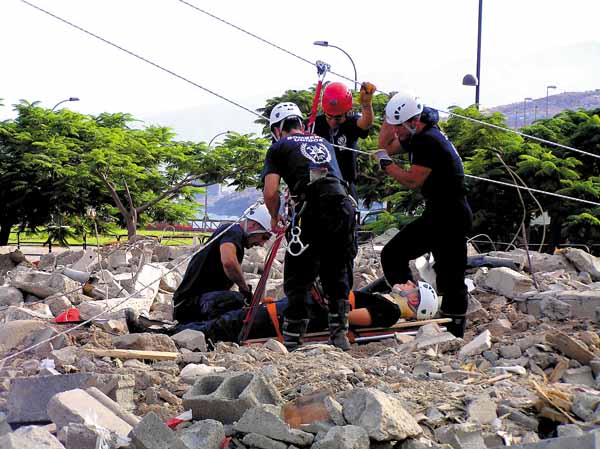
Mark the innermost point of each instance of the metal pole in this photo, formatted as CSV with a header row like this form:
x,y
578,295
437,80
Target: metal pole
x,y
353,65
478,72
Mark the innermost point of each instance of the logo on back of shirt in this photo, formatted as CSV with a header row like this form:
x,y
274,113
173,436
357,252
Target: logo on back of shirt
x,y
315,152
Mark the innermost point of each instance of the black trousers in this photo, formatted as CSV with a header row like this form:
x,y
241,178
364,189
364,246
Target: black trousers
x,y
328,227
442,232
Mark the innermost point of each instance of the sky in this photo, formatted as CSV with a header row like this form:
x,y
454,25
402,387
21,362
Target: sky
x,y
422,46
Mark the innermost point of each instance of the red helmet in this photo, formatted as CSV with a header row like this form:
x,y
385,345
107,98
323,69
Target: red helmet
x,y
337,99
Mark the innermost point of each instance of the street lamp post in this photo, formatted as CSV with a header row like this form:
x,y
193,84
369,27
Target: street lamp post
x,y
327,44
205,218
535,108
525,100
474,80
547,89
64,101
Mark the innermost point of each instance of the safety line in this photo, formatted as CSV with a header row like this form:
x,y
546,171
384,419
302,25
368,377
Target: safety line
x,y
129,52
548,142
558,195
127,298
261,116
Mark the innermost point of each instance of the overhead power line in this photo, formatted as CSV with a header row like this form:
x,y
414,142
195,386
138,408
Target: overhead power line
x,y
106,41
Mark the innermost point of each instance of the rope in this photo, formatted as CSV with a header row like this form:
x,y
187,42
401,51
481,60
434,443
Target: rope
x,y
127,298
141,58
261,116
548,142
558,195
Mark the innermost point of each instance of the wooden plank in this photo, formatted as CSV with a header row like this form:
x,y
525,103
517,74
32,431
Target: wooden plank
x,y
558,371
134,354
570,347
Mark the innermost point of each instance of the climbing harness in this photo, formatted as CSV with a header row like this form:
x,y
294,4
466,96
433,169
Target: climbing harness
x,y
322,69
295,230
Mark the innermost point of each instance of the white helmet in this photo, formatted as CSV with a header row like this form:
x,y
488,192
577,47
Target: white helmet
x,y
282,111
428,301
261,216
402,107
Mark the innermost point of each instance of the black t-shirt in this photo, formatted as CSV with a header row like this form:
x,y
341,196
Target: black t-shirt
x,y
347,135
205,271
445,184
299,159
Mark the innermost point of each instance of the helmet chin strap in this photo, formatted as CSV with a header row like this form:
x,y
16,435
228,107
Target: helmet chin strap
x,y
411,129
280,130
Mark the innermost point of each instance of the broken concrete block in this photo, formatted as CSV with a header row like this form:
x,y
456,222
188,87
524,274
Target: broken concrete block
x,y
152,433
499,327
191,371
481,343
346,437
482,410
461,436
207,434
504,281
14,313
16,333
145,342
381,415
10,296
43,284
119,258
167,253
554,309
510,351
590,440
88,261
78,406
82,436
568,430
263,422
262,442
65,356
584,261
58,303
225,397
519,417
28,397
275,346
170,281
580,376
148,280
31,437
335,410
190,339
4,427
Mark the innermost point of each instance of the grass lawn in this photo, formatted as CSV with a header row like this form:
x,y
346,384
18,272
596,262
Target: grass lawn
x,y
165,237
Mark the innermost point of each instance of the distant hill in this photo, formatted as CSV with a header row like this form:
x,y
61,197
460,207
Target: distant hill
x,y
536,109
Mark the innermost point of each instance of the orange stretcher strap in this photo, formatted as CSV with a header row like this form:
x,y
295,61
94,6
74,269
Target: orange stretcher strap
x,y
352,300
272,311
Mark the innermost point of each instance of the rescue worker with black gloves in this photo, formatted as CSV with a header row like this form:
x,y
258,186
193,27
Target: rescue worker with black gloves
x,y
204,292
340,126
322,224
437,170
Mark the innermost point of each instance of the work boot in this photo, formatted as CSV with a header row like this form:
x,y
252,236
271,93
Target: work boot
x,y
338,326
293,332
377,286
457,326
139,324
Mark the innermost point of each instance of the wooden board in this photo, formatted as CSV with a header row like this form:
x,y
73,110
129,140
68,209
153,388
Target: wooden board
x,y
570,347
134,354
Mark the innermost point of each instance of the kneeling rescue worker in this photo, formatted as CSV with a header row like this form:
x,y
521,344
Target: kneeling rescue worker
x,y
322,223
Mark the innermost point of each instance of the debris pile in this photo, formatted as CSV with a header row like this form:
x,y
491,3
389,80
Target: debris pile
x,y
526,375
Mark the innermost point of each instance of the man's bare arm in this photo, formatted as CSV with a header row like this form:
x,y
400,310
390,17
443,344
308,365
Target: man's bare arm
x,y
412,178
231,266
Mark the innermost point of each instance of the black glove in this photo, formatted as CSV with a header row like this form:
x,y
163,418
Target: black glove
x,y
247,294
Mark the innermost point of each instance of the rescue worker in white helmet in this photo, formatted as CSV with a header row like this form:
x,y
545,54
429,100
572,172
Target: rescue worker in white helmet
x,y
437,170
322,225
204,292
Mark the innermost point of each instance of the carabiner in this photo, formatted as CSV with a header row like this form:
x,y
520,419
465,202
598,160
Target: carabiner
x,y
296,231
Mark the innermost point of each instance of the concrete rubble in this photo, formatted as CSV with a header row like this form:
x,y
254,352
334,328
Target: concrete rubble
x,y
526,374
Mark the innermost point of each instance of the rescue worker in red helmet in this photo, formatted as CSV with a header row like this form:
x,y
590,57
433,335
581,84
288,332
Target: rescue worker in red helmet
x,y
340,126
